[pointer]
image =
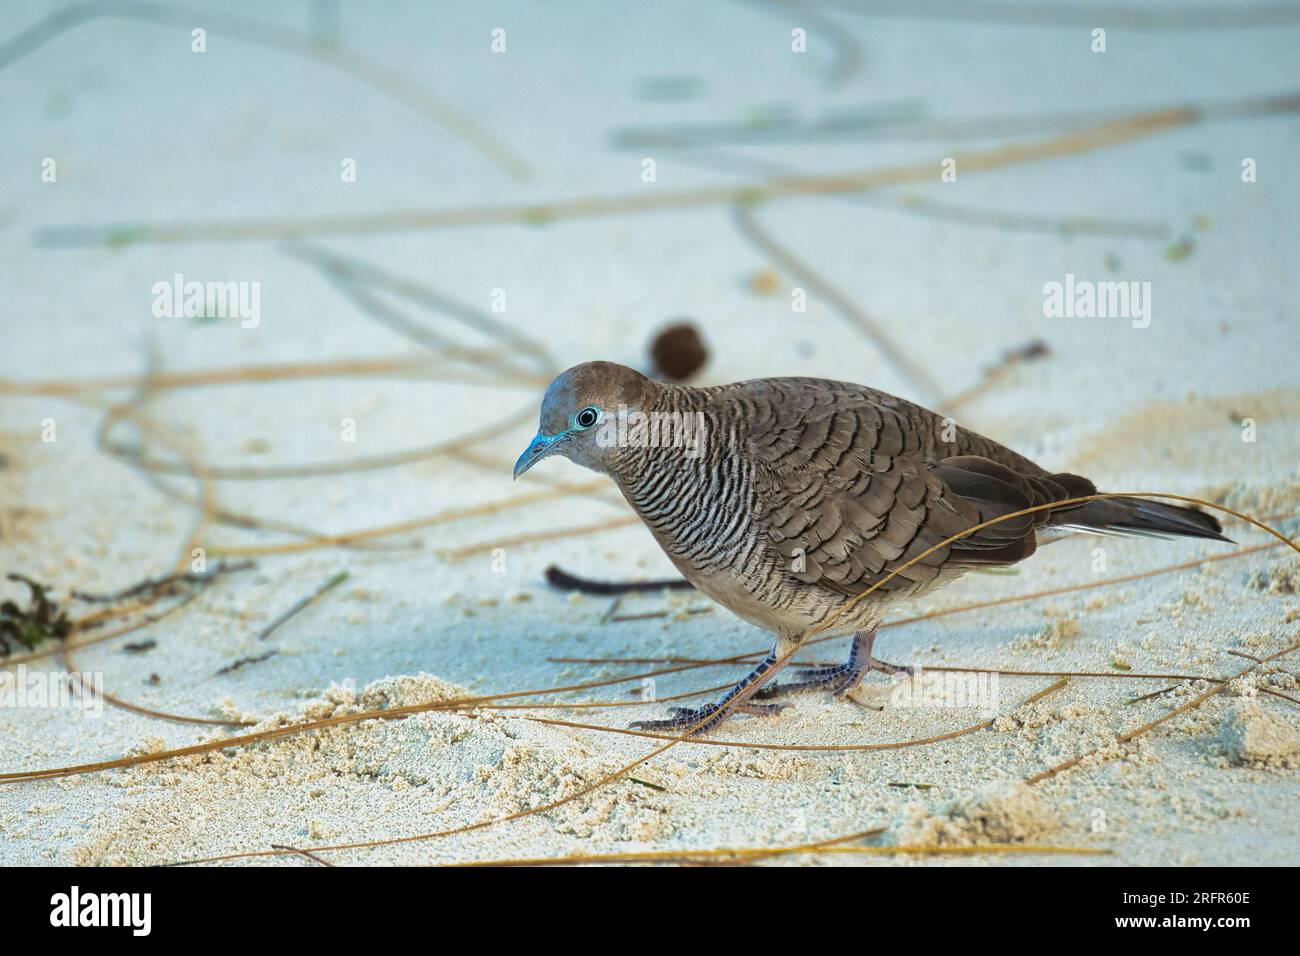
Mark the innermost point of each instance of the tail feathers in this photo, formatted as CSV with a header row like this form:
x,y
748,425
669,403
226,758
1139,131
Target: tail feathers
x,y
1141,517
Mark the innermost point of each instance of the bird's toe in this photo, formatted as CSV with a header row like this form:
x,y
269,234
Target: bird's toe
x,y
699,719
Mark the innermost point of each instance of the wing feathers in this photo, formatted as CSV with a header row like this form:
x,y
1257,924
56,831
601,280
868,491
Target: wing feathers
x,y
853,485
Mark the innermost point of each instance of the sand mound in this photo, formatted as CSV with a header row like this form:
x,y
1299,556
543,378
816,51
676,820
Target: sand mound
x,y
1282,578
417,774
408,691
1000,814
1253,737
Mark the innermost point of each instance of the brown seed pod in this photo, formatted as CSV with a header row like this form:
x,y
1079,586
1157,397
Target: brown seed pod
x,y
677,352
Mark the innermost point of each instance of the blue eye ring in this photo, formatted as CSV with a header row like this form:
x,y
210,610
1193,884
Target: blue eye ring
x,y
586,418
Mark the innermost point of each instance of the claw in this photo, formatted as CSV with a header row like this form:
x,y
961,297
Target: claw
x,y
819,678
887,668
841,679
684,718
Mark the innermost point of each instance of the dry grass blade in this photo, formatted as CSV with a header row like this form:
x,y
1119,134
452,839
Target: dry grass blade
x,y
293,849
1102,755
398,366
303,603
1102,135
803,748
716,855
342,467
922,850
753,854
355,270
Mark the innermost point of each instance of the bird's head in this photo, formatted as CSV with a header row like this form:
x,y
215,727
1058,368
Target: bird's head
x,y
575,407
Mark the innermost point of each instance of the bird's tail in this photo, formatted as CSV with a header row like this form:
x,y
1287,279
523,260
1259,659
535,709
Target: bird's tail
x,y
1140,516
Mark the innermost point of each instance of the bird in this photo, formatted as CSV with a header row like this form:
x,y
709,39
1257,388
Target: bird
x,y
784,499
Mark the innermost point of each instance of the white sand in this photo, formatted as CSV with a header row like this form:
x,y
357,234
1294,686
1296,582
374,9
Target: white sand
x,y
145,130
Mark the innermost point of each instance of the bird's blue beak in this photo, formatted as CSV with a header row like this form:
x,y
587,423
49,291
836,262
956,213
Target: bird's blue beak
x,y
539,448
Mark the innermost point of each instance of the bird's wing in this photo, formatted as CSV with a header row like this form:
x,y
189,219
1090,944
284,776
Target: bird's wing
x,y
852,486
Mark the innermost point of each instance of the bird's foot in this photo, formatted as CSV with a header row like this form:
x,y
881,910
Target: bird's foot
x,y
703,719
889,669
841,679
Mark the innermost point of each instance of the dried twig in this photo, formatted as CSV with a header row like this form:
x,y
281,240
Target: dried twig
x,y
245,661
152,585
307,853
558,578
1103,135
302,603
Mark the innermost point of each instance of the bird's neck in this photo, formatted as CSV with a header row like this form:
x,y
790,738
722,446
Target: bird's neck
x,y
689,483
686,436
676,428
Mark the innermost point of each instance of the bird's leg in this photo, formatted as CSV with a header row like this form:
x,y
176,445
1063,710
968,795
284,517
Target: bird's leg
x,y
734,701
842,679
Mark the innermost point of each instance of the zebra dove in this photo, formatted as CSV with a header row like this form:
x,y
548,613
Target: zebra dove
x,y
784,498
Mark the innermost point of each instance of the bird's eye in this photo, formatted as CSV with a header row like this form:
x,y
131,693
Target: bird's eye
x,y
587,417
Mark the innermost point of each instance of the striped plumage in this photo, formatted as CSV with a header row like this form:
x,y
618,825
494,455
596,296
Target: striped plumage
x,y
806,492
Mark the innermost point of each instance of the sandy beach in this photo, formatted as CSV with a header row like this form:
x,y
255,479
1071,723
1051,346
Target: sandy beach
x,y
421,222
